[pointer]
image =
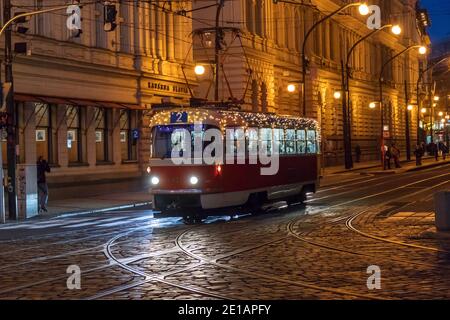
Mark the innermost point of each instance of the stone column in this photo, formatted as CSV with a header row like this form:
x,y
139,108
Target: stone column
x,y
29,132
115,145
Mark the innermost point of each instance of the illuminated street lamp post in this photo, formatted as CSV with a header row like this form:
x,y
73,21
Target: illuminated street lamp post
x,y
345,80
422,50
363,10
419,80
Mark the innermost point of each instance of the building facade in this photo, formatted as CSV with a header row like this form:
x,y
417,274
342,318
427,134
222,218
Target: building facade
x,y
269,59
82,102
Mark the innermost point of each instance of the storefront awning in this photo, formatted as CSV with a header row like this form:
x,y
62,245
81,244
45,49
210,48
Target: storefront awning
x,y
75,101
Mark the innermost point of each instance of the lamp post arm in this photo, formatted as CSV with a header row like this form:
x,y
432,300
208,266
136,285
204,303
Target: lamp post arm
x,y
393,58
362,39
29,14
314,26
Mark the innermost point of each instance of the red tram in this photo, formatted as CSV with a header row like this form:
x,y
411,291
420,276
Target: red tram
x,y
193,189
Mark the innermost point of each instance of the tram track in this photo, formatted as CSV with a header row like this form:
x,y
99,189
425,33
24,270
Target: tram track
x,y
215,261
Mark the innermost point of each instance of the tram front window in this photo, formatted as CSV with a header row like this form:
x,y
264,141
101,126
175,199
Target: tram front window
x,y
168,137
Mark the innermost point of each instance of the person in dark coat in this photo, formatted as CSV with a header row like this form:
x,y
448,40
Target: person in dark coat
x,y
42,169
444,149
358,153
418,152
434,150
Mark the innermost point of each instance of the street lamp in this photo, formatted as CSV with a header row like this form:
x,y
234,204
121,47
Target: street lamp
x,y
199,70
410,107
372,105
421,74
380,80
436,98
396,29
363,10
345,79
291,88
423,110
337,95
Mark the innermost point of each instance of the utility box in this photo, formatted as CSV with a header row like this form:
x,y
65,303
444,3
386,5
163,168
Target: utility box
x,y
27,191
442,209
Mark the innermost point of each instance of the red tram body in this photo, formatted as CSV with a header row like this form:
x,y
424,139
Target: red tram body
x,y
186,188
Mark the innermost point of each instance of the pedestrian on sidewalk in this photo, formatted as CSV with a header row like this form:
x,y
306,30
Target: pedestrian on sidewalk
x,y
434,150
418,152
396,155
358,153
386,154
42,168
444,149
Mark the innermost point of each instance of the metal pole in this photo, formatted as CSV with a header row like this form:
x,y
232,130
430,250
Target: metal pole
x,y
345,127
432,111
407,138
382,123
418,107
308,33
10,109
2,189
217,49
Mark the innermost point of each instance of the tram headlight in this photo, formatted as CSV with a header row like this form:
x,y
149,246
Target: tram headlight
x,y
155,181
193,180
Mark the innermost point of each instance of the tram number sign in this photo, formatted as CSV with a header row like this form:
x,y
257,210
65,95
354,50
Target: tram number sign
x,y
178,117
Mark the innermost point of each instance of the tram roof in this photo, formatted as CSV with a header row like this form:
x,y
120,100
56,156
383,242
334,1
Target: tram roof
x,y
228,118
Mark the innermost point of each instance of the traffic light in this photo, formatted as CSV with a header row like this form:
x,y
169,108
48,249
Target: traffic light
x,y
110,16
19,21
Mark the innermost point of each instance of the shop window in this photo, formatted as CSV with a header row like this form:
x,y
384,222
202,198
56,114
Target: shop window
x,y
74,134
101,134
44,132
128,143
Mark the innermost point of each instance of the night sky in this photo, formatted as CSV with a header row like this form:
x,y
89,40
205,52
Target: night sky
x,y
439,11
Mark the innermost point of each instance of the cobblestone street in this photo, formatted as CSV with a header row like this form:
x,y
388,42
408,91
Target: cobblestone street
x,y
318,251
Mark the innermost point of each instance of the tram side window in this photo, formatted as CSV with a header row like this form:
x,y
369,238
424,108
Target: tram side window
x,y
278,135
252,140
290,141
301,141
265,135
312,144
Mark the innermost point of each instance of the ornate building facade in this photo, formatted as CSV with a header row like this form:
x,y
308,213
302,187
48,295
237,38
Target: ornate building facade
x,y
81,102
269,59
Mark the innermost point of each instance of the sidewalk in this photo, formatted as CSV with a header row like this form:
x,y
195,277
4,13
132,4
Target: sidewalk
x,y
95,204
375,166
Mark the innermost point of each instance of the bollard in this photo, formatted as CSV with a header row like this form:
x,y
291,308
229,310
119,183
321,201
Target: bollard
x,y
442,210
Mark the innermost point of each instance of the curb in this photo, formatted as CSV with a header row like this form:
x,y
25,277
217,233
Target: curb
x,y
100,210
427,166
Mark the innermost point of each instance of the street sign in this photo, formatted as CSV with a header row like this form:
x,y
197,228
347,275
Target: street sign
x,y
135,134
